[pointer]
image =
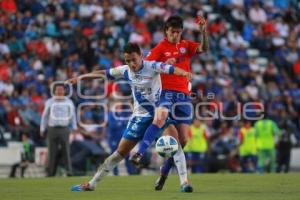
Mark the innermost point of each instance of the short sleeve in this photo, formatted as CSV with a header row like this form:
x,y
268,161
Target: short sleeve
x,y
154,54
117,72
192,47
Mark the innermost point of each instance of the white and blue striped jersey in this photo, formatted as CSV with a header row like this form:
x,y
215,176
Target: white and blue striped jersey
x,y
145,84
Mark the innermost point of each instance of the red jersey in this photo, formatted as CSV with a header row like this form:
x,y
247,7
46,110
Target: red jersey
x,y
182,52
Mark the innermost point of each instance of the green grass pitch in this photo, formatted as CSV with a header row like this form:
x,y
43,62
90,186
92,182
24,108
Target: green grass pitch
x,y
206,187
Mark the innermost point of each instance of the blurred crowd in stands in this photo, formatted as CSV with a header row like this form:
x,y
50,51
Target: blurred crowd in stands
x,y
254,57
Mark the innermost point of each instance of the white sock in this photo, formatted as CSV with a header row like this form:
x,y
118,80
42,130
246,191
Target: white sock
x,y
109,163
180,162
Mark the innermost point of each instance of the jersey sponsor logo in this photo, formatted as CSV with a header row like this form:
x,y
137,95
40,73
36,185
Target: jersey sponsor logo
x,y
143,90
182,50
153,66
167,54
138,77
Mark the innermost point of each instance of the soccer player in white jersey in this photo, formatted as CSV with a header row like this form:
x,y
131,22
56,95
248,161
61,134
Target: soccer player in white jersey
x,y
144,79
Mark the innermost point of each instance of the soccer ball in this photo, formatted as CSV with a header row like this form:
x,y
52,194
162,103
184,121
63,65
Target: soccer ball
x,y
166,146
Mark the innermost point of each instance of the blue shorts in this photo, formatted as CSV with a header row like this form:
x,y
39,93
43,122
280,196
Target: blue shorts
x,y
137,127
179,105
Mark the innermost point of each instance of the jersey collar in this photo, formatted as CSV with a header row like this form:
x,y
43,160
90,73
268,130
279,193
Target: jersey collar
x,y
142,66
166,40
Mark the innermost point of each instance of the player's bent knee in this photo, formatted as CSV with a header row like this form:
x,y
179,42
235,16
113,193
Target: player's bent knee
x,y
125,146
123,153
123,150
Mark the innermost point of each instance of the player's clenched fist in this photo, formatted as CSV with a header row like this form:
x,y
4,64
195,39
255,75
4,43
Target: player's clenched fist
x,y
202,23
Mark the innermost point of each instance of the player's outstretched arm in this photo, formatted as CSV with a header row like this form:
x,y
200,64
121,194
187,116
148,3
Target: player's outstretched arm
x,y
170,69
92,75
117,72
204,44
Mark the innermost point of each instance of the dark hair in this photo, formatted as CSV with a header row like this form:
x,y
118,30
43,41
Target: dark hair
x,y
132,48
174,22
58,85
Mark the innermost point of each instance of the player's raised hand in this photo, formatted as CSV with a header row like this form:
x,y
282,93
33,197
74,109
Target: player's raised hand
x,y
72,80
202,23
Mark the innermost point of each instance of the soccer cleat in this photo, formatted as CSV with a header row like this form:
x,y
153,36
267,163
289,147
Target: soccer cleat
x,y
186,188
82,188
136,159
160,182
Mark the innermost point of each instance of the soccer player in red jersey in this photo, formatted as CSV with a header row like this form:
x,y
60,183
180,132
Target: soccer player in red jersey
x,y
175,97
